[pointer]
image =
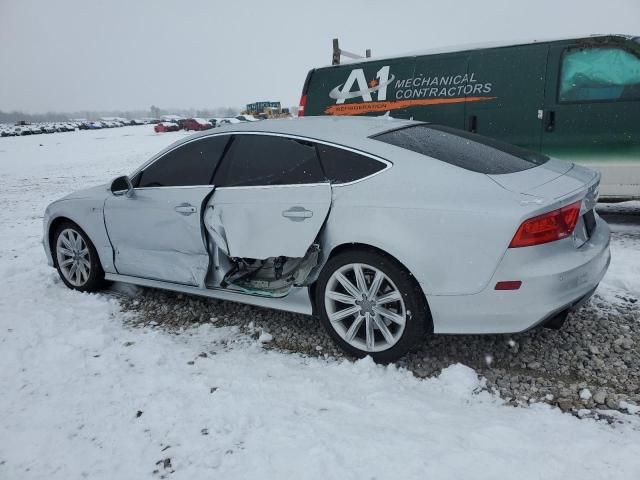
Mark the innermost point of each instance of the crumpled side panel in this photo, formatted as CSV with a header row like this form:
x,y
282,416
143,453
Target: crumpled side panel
x,y
214,227
265,222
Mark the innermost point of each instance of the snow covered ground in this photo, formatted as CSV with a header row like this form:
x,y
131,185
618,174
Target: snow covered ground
x,y
624,274
82,395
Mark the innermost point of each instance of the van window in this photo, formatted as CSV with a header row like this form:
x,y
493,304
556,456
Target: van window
x,y
462,149
599,74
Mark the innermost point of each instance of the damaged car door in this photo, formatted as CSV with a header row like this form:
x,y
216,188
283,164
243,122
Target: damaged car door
x,y
270,202
157,233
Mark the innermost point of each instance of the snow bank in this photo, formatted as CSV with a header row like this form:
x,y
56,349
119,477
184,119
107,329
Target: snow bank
x,y
88,396
624,271
623,277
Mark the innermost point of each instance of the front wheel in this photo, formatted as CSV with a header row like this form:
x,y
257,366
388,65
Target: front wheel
x,y
76,258
370,305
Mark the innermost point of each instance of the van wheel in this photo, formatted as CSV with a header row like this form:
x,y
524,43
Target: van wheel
x,y
370,305
76,258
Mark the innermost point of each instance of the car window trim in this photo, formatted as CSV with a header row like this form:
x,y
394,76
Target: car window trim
x,y
287,185
396,129
388,164
173,186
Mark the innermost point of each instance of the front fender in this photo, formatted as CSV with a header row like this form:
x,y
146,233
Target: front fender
x,y
88,214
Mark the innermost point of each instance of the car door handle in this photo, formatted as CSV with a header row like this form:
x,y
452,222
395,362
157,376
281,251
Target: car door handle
x,y
297,214
185,209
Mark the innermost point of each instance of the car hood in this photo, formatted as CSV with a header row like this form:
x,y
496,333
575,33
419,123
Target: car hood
x,y
553,179
93,192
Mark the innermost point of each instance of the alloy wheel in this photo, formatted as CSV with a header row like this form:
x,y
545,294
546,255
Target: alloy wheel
x,y
365,307
73,257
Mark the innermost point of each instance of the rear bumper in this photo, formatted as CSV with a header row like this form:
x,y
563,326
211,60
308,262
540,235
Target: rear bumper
x,y
555,277
555,320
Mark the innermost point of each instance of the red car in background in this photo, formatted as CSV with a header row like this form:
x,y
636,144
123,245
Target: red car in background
x,y
197,124
166,127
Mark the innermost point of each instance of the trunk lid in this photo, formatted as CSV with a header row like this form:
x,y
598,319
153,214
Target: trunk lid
x,y
552,185
553,179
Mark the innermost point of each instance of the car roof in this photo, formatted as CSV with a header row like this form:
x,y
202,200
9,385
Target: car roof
x,y
353,132
341,130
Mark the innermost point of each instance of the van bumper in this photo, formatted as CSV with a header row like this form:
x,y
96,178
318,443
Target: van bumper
x,y
556,277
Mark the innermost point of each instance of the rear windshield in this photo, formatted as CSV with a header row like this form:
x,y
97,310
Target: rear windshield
x,y
462,149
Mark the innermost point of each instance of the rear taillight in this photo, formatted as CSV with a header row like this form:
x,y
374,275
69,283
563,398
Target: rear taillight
x,y
549,227
303,103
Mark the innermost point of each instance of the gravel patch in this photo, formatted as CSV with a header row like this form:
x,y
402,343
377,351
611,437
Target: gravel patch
x,y
591,364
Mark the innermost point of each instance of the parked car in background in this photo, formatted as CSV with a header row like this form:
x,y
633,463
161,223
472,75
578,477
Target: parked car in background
x,y
228,121
25,128
385,229
247,118
197,124
22,130
166,127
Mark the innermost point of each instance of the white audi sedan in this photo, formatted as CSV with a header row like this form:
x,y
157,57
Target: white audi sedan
x,y
384,229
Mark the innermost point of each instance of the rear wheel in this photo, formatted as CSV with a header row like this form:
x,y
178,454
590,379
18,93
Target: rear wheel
x,y
371,305
76,258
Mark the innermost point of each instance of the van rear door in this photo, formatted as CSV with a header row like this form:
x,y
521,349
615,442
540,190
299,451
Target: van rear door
x,y
514,80
592,111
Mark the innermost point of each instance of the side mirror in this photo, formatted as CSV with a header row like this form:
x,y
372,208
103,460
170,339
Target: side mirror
x,y
122,186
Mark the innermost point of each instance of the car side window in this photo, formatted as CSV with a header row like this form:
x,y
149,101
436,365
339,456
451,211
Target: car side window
x,y
599,74
188,165
253,160
343,166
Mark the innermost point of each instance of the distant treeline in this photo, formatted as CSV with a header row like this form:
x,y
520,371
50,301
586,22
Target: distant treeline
x,y
153,112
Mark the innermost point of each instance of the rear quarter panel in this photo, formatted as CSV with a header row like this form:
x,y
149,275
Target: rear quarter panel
x,y
448,226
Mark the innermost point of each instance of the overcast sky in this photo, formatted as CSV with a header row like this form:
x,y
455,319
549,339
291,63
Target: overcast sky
x,y
71,55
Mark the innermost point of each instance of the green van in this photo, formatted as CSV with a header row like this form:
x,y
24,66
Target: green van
x,y
575,99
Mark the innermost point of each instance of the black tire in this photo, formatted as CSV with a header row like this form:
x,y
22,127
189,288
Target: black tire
x,y
95,278
417,315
